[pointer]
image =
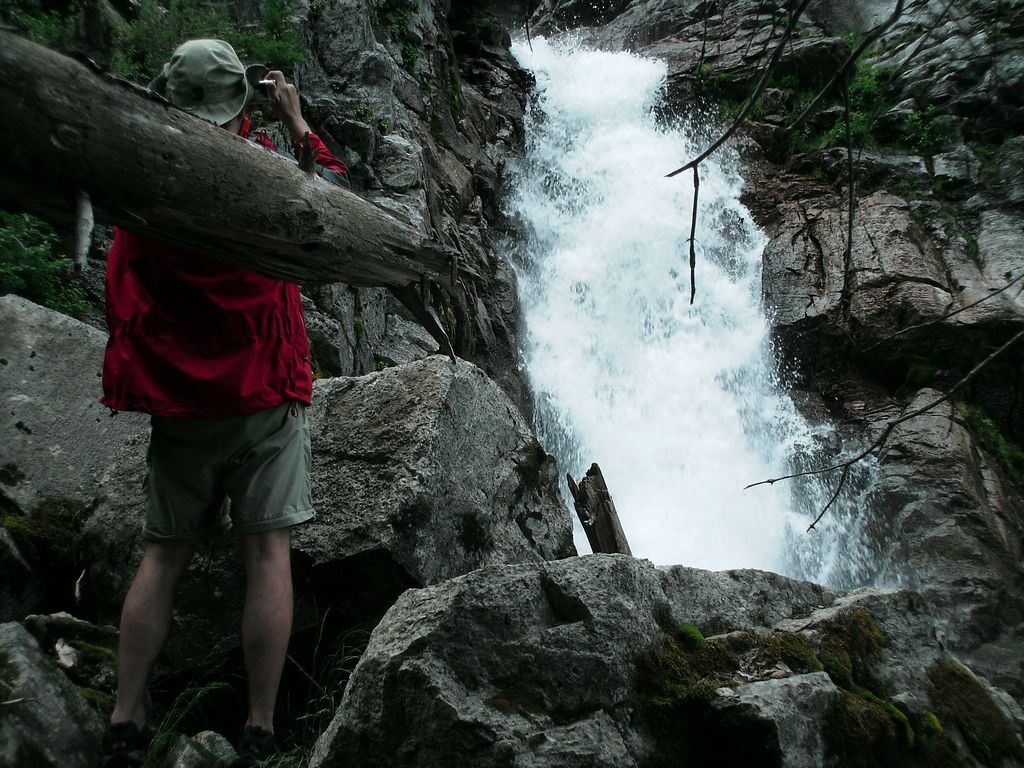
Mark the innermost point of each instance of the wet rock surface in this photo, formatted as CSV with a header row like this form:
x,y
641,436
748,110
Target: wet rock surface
x,y
927,289
568,663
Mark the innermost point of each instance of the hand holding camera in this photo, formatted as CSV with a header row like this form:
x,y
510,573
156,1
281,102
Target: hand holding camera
x,y
283,98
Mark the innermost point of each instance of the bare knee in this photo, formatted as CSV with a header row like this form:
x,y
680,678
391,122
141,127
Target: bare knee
x,y
269,549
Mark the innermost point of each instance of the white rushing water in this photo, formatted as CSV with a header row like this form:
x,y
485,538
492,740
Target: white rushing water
x,y
678,403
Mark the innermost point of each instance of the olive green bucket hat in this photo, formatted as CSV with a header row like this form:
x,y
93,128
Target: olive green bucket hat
x,y
206,78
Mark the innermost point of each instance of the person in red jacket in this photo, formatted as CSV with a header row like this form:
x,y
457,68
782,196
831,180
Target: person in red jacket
x,y
219,357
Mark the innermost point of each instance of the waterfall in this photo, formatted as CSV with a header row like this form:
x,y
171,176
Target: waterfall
x,y
678,403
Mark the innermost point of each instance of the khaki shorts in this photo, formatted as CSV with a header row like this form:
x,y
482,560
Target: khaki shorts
x,y
260,462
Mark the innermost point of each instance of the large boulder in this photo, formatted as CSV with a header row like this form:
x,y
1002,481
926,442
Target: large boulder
x,y
420,473
57,438
955,527
43,720
598,661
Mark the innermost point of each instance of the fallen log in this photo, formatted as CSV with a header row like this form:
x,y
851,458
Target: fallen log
x,y
597,513
152,168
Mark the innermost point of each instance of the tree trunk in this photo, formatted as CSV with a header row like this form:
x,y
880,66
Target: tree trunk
x,y
597,513
159,171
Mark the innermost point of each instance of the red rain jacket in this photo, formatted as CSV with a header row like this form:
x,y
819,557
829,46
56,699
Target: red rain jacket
x,y
192,337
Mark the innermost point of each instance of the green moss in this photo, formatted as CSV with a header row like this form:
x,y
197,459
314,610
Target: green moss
x,y
792,649
838,667
960,700
1007,453
690,637
852,644
93,652
360,329
930,724
52,528
101,701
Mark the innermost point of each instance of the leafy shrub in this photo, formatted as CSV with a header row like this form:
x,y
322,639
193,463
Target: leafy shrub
x,y
50,28
925,133
30,265
147,42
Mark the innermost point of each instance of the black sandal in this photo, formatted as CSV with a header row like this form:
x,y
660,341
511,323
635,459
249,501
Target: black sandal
x,y
256,745
125,745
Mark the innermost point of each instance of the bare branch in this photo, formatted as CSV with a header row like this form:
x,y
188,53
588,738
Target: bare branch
x,y
868,40
761,83
884,436
693,236
946,316
839,488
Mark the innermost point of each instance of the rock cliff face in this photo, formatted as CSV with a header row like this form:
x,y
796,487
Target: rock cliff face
x,y
871,333
425,103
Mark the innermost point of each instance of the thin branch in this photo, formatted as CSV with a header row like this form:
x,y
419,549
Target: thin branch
x,y
881,439
528,40
868,40
761,83
693,236
946,316
839,488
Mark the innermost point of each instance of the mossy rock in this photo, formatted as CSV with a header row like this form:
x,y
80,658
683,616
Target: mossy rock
x,y
850,647
959,699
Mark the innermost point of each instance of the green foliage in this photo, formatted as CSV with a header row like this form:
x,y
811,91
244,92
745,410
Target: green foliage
x,y
410,55
924,132
50,28
147,42
1007,453
31,266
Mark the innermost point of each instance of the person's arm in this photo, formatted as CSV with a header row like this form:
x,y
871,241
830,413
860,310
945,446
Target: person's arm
x,y
284,101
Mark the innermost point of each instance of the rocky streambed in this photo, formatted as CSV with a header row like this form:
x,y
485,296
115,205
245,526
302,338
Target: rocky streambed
x,y
442,616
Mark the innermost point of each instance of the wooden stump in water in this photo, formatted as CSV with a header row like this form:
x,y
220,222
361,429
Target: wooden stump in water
x,y
596,511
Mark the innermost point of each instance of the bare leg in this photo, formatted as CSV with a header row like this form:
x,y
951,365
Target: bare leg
x,y
145,621
267,620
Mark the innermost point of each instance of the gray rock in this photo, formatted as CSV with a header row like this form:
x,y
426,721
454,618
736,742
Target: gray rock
x,y
20,589
955,531
958,166
405,342
43,720
798,707
420,473
205,750
57,438
542,665
400,165
519,665
431,464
